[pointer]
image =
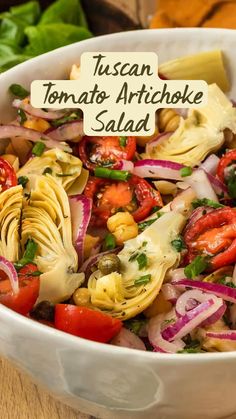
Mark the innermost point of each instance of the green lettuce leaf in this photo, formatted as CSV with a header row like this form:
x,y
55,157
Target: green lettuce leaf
x,y
44,38
64,11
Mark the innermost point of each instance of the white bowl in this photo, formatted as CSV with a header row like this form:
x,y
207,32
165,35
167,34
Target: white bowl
x,y
107,381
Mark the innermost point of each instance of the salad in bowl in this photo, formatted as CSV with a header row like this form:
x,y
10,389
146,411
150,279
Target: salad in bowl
x,y
129,241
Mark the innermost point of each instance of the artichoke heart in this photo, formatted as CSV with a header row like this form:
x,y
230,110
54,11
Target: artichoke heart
x,y
46,219
200,134
131,291
65,167
11,202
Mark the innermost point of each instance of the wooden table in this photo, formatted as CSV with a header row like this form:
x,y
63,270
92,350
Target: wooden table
x,y
19,397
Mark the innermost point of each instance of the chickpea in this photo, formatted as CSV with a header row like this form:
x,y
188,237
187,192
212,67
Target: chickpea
x,y
108,264
81,297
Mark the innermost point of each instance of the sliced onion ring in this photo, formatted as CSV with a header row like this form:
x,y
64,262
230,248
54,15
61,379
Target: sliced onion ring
x,y
192,319
67,132
156,339
8,268
210,164
220,290
219,187
156,141
38,113
80,207
8,131
201,185
163,169
228,334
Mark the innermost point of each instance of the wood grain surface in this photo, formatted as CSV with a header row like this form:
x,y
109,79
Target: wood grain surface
x,y
19,397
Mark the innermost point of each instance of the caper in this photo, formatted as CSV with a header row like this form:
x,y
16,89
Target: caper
x,y
43,311
109,263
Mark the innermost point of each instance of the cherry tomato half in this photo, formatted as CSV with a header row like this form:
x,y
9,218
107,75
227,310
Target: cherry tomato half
x,y
7,175
28,293
136,196
86,323
214,235
105,151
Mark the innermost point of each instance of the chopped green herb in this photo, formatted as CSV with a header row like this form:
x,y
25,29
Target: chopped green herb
x,y
29,254
196,267
155,209
18,90
22,116
169,321
143,280
144,224
65,119
144,243
63,174
109,242
103,172
35,273
190,351
133,257
38,149
123,141
142,260
135,326
191,347
224,281
231,183
206,202
23,180
47,170
186,171
178,244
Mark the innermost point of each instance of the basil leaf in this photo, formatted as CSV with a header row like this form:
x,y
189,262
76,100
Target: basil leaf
x,y
44,38
64,11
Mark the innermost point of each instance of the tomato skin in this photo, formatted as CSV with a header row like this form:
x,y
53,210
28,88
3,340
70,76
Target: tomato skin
x,y
146,196
224,162
214,234
86,323
106,149
7,175
28,293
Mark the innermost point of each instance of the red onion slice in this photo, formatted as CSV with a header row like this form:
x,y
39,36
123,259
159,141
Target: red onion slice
x,y
170,292
229,335
8,131
210,164
163,169
80,207
182,202
126,165
218,186
156,339
201,185
220,290
67,132
190,299
128,339
8,268
38,113
156,141
192,319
